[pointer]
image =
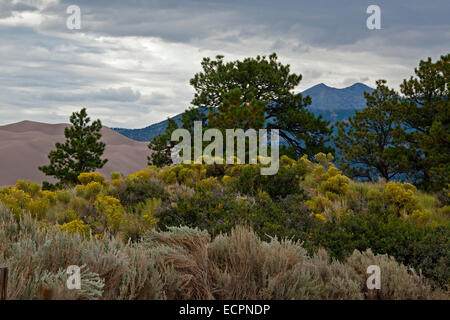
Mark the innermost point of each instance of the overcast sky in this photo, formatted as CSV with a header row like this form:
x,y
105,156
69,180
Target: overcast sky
x,y
131,61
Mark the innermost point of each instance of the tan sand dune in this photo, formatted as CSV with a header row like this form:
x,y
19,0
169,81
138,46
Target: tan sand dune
x,y
25,145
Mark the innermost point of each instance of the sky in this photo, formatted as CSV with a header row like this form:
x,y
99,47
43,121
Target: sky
x,y
130,62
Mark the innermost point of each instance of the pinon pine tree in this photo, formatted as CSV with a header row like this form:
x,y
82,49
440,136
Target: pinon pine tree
x,y
161,146
426,116
264,79
81,152
370,142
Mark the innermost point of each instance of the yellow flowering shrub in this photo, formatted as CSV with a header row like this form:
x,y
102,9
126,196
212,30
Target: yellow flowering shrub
x,y
374,194
19,201
31,188
110,211
115,175
16,200
206,184
63,196
319,174
93,189
332,171
50,196
320,217
67,215
38,207
324,159
318,204
87,177
76,226
337,184
143,174
147,210
117,182
89,191
400,197
186,176
168,175
421,217
304,163
286,161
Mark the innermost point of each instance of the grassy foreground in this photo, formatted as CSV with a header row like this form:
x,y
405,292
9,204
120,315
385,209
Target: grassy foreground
x,y
226,232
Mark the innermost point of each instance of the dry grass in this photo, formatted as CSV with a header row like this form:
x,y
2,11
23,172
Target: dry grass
x,y
184,263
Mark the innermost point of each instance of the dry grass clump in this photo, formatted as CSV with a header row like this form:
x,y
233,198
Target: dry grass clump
x,y
185,263
397,281
241,266
38,255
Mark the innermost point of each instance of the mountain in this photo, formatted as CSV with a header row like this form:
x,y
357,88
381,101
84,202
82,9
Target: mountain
x,y
25,145
328,98
332,104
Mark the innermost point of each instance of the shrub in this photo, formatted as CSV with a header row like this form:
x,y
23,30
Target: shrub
x,y
424,248
241,266
88,177
337,184
218,213
115,175
397,282
401,197
147,211
76,226
136,190
110,212
63,196
31,188
185,263
249,181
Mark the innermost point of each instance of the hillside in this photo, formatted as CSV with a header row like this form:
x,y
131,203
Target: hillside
x,y
332,104
25,145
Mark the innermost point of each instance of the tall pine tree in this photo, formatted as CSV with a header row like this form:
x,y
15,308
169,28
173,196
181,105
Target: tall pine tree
x,y
267,80
425,113
370,143
161,145
81,152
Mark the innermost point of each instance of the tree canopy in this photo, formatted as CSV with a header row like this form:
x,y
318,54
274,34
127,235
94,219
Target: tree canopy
x,y
370,143
161,146
425,112
267,80
81,152
406,132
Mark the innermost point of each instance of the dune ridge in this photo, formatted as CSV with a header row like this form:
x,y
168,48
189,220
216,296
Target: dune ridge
x,y
25,145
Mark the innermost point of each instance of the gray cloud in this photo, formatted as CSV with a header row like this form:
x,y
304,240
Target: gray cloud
x,y
124,94
131,62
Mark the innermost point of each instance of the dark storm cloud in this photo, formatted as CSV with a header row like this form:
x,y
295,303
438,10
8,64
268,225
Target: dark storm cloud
x,y
322,22
132,60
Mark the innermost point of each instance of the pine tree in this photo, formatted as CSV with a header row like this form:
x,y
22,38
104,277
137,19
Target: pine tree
x,y
81,152
236,113
370,143
425,113
269,81
161,146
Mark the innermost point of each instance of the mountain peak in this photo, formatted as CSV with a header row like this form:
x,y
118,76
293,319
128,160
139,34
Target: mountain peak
x,y
330,98
320,86
360,85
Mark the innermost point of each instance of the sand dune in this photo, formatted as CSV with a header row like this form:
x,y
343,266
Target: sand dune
x,y
25,145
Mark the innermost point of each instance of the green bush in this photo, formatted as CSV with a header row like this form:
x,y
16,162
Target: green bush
x,y
134,191
249,181
422,247
217,213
